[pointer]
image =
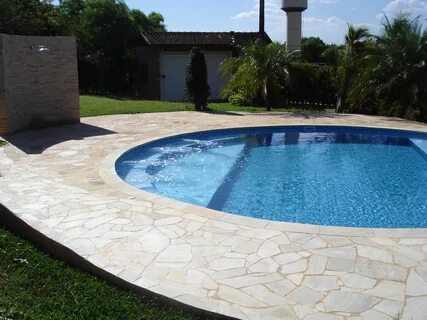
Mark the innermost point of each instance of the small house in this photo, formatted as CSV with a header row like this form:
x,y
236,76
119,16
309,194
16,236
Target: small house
x,y
163,59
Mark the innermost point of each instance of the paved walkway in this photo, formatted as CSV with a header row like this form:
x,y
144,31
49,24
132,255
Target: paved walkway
x,y
237,266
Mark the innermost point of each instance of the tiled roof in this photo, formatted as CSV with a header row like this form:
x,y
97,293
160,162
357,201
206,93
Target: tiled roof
x,y
200,38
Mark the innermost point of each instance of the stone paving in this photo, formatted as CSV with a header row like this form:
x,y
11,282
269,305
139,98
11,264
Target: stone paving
x,y
61,182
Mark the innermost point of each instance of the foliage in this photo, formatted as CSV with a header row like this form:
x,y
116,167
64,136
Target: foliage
x,y
311,82
107,32
29,17
258,74
196,79
388,72
350,62
35,286
312,49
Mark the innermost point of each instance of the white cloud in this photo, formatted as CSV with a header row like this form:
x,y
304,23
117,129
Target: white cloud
x,y
331,29
413,7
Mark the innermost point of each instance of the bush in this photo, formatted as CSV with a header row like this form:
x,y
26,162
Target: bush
x,y
196,79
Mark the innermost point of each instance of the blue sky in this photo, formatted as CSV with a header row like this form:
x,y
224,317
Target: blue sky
x,y
326,19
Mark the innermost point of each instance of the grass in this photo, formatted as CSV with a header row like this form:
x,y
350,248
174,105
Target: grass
x,y
91,106
34,286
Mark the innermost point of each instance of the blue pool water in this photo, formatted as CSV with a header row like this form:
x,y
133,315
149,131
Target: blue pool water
x,y
325,175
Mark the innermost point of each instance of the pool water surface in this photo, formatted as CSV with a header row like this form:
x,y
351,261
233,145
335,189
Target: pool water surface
x,y
323,175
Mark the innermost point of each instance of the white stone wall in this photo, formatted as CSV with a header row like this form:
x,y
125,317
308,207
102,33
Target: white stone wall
x,y
38,82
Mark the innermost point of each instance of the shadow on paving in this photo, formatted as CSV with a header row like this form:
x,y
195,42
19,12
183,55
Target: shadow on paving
x,y
36,141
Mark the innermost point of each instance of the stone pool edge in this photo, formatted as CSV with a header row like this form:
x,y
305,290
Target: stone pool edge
x,y
108,173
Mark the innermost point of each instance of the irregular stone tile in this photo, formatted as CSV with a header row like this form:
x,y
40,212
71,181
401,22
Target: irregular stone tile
x,y
300,238
375,254
282,287
264,265
390,308
167,221
321,283
175,254
374,315
338,264
415,309
336,241
265,295
348,302
294,267
154,241
296,278
348,253
384,241
226,264
305,296
286,258
357,281
422,271
404,261
152,276
238,297
415,285
380,270
268,249
258,233
250,280
228,273
248,246
323,316
409,253
301,310
390,290
316,265
315,243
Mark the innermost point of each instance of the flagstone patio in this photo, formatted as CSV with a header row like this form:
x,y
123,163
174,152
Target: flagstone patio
x,y
61,181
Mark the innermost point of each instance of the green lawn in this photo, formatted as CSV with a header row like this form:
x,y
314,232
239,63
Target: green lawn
x,y
34,286
91,106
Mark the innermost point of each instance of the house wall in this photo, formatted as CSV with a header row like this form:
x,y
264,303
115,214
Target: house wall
x,y
38,82
149,65
149,72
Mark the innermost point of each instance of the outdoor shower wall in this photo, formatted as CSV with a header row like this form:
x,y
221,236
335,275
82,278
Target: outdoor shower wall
x,y
38,82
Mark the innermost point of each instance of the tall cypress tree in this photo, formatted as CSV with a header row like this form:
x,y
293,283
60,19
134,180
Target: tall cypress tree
x,y
196,79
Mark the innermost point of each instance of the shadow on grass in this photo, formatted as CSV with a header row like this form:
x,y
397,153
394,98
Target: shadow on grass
x,y
36,141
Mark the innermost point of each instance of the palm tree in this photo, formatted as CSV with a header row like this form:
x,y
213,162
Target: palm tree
x,y
398,67
259,69
354,46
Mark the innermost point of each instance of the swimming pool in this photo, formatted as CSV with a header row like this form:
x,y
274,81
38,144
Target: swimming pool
x,y
323,175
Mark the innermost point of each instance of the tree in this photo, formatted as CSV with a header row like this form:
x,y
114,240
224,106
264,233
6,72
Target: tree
x,y
395,72
312,49
154,22
107,32
261,69
29,17
350,62
196,79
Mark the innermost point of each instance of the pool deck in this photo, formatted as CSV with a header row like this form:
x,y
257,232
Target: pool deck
x,y
61,182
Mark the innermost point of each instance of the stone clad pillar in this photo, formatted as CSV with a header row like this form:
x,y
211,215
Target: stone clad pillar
x,y
38,82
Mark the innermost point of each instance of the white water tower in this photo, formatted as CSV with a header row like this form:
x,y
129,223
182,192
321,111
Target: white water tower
x,y
294,9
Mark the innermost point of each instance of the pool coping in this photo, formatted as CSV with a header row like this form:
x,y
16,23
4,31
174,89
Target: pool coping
x,y
108,173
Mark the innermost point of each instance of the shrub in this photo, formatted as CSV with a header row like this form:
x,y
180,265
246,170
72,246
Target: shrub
x,y
196,79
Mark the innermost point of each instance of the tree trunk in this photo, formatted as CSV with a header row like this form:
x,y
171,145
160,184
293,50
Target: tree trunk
x,y
265,94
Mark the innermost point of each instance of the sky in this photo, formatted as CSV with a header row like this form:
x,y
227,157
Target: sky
x,y
326,19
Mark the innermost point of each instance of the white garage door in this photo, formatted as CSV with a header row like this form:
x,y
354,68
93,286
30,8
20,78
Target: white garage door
x,y
172,70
